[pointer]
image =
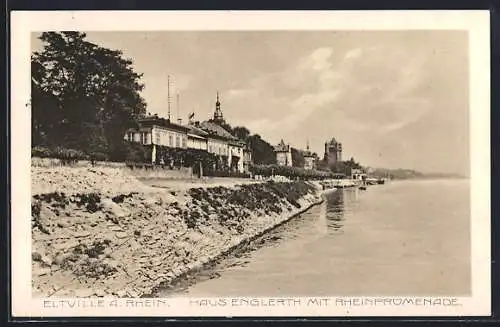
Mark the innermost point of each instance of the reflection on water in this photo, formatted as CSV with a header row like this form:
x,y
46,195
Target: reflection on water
x,y
404,238
335,210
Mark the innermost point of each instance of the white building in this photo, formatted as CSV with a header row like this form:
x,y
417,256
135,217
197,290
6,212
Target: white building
x,y
283,154
309,158
221,142
358,174
157,131
197,138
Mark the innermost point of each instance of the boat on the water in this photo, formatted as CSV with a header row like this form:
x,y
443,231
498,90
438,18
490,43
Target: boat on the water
x,y
362,188
381,181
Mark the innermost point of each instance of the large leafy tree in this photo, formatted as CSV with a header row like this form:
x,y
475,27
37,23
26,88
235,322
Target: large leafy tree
x,y
241,132
297,158
83,96
346,167
262,152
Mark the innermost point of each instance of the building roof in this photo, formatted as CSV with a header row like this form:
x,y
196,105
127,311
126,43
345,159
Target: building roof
x,y
282,147
333,141
196,130
238,143
214,129
162,122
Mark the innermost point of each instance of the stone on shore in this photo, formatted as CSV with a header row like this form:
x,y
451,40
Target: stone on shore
x,y
102,238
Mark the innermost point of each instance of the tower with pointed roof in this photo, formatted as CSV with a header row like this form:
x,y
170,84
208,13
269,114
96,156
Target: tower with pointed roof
x,y
283,154
308,158
218,116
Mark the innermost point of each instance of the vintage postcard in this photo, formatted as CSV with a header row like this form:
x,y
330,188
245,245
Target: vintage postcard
x,y
177,164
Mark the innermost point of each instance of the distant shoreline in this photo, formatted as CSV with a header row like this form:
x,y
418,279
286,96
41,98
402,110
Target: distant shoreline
x,y
429,178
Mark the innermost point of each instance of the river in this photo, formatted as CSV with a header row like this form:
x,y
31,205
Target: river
x,y
402,238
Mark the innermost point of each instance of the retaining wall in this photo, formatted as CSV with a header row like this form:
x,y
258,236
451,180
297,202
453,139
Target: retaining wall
x,y
154,172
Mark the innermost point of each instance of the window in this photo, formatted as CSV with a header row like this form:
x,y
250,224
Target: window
x,y
170,140
184,142
157,136
177,141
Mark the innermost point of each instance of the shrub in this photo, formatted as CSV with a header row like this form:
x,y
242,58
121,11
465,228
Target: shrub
x,y
233,174
41,152
99,156
91,201
188,158
134,152
290,172
66,155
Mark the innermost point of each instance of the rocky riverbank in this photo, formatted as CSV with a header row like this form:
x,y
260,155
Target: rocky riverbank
x,y
101,232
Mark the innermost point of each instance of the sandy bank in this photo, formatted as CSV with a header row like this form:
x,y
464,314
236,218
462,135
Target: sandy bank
x,y
101,232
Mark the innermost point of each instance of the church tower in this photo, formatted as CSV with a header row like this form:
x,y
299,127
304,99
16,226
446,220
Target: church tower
x,y
218,116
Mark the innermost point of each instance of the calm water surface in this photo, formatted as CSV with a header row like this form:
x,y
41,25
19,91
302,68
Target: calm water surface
x,y
402,238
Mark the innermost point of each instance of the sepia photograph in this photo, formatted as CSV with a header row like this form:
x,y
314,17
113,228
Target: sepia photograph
x,y
253,168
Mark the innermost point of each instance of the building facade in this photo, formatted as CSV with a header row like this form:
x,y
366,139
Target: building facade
x,y
235,160
309,158
247,159
157,131
197,142
358,174
309,162
283,154
333,152
223,143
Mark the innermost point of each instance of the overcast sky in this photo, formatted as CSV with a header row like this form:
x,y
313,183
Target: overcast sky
x,y
394,99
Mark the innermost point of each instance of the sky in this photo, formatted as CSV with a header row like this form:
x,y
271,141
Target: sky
x,y
395,99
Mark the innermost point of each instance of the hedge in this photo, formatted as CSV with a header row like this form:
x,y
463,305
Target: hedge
x,y
67,156
191,158
227,174
290,172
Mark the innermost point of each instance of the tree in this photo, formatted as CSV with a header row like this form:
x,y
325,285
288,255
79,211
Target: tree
x,y
351,163
345,167
262,152
297,158
83,96
241,132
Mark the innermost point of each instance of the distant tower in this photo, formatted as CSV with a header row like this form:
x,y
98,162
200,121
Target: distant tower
x,y
218,116
333,151
308,158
